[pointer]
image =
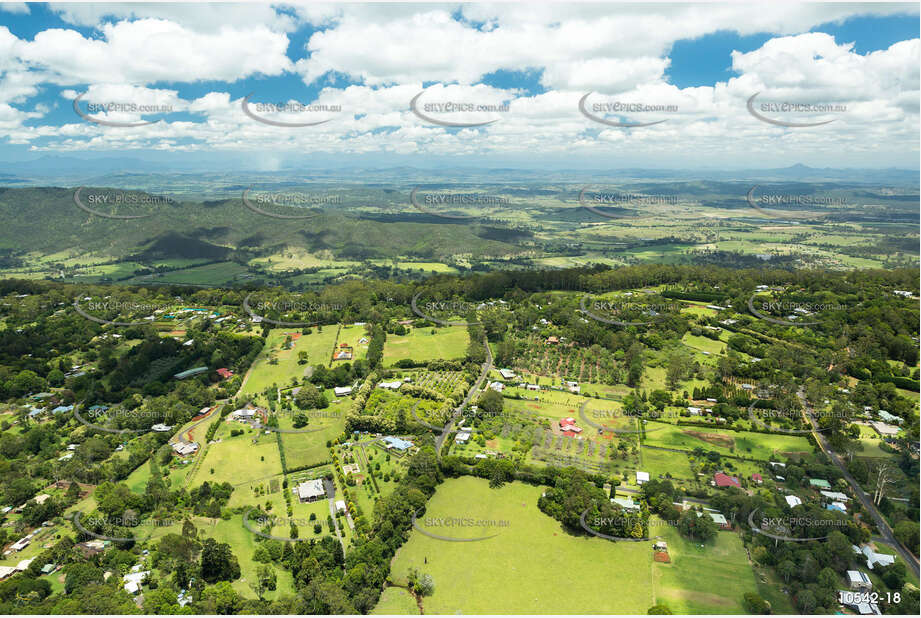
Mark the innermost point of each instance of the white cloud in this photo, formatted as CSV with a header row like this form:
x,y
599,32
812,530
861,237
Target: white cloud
x,y
15,7
621,53
151,50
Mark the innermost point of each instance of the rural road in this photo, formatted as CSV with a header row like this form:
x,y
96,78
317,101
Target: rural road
x,y
449,426
331,493
885,530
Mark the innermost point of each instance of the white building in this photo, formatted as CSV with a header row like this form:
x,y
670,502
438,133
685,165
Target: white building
x,y
342,391
793,501
641,477
310,491
394,386
507,374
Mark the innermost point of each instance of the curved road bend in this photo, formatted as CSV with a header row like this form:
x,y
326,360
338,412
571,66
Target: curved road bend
x,y
885,530
449,426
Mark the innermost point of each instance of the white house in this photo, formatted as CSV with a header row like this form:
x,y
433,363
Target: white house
x,y
342,391
507,374
693,411
858,580
394,386
641,477
310,491
793,501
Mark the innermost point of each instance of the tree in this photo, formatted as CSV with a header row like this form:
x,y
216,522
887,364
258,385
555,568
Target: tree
x,y
81,574
490,402
906,531
659,608
310,397
220,598
218,562
265,580
754,604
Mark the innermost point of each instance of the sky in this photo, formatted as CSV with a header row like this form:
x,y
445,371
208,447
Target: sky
x,y
349,73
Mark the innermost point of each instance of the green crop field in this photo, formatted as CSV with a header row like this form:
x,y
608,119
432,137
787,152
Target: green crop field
x,y
421,345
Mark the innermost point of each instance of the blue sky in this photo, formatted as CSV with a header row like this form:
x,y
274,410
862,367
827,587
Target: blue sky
x,y
692,66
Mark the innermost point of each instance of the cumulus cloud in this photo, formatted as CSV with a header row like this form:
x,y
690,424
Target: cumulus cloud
x,y
383,55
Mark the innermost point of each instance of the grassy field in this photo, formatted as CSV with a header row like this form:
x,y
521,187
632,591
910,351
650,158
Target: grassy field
x,y
533,566
703,344
209,274
304,449
709,579
421,345
237,460
743,443
351,335
396,601
520,570
319,348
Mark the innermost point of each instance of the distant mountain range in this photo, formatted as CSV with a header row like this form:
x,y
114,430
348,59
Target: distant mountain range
x,y
107,171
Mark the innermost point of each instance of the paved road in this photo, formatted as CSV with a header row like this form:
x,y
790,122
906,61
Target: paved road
x,y
330,488
449,426
885,530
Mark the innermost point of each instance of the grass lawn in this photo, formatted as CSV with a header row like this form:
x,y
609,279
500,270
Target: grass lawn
x,y
704,580
319,348
520,570
396,601
703,344
420,344
351,335
237,460
743,443
307,449
243,543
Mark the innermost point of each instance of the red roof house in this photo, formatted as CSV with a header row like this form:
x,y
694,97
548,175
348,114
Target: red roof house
x,y
225,373
724,480
757,478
